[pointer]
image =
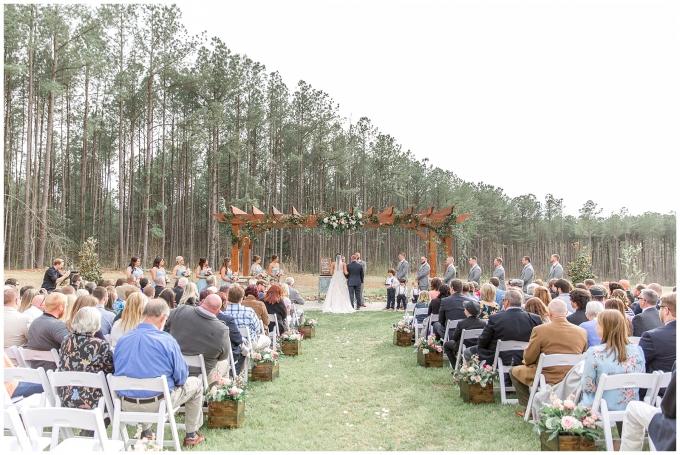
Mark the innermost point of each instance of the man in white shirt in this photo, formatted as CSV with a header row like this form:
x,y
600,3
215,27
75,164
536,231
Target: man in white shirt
x,y
16,324
37,307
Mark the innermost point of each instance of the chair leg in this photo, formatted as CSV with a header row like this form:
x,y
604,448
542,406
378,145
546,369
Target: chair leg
x,y
527,413
608,438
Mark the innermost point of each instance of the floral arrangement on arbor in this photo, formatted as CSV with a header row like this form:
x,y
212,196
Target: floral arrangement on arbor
x,y
291,336
475,372
309,322
567,418
429,344
403,326
229,389
265,355
339,222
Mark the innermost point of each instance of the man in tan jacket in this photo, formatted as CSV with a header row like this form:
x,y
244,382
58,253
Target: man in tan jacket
x,y
558,337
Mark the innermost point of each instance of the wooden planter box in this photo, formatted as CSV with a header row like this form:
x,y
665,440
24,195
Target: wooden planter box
x,y
226,414
475,394
291,347
402,339
265,372
567,443
432,359
307,331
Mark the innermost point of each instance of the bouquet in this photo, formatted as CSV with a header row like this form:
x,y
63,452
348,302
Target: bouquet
x,y
186,273
567,418
230,389
291,335
208,271
265,355
429,344
167,279
309,322
403,326
475,372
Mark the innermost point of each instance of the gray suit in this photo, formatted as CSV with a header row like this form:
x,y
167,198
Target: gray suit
x,y
450,274
499,272
402,270
475,274
423,276
556,271
527,276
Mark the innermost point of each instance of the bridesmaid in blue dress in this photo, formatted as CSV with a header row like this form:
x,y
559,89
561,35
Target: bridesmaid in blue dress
x,y
158,270
201,273
256,269
134,269
274,270
228,277
180,270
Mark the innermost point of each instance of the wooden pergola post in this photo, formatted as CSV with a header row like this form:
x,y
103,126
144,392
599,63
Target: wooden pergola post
x,y
432,254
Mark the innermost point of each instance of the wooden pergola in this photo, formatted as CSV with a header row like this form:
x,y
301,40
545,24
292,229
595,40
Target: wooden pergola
x,y
433,227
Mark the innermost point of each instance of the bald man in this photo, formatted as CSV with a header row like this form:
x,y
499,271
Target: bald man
x,y
48,331
198,331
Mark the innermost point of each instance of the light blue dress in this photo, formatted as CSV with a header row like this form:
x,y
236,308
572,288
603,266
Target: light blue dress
x,y
202,283
255,269
229,273
136,272
162,273
599,362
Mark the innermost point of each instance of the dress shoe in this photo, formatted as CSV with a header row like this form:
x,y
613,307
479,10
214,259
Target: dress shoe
x,y
522,413
199,438
363,304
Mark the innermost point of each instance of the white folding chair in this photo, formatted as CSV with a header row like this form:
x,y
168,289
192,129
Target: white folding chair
x,y
502,346
32,375
84,419
410,307
107,337
451,324
634,340
26,356
19,439
652,397
166,411
618,381
276,334
547,361
245,334
418,326
198,361
11,352
466,334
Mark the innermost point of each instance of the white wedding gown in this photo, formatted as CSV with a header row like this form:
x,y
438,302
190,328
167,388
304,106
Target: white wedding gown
x,y
337,297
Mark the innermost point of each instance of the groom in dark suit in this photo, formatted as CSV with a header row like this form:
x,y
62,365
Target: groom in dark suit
x,y
355,280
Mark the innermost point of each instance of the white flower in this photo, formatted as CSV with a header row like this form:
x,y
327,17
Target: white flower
x,y
325,220
426,351
377,413
359,215
330,366
328,394
471,370
344,412
341,213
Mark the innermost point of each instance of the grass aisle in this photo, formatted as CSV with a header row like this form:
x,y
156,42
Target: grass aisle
x,y
332,396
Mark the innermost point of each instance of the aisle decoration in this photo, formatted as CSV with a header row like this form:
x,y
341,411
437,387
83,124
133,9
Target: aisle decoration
x,y
475,379
565,425
265,365
291,342
403,332
430,352
226,407
307,327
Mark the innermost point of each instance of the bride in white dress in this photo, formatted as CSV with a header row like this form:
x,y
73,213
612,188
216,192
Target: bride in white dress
x,y
337,297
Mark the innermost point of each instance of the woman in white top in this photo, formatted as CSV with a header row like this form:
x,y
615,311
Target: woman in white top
x,y
130,318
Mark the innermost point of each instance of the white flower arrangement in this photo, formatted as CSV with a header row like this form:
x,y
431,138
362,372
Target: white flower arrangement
x,y
339,222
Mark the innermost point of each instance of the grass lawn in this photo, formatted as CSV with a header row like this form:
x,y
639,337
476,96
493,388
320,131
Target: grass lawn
x,y
332,396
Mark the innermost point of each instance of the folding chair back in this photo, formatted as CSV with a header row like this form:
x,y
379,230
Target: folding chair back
x,y
502,346
418,326
275,336
166,411
410,307
652,396
11,352
82,379
466,334
451,324
19,439
34,376
26,356
198,361
547,361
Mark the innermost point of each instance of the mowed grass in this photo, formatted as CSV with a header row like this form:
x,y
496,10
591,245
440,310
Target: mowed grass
x,y
332,396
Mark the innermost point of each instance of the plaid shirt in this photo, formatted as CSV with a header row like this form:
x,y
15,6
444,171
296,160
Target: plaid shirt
x,y
244,317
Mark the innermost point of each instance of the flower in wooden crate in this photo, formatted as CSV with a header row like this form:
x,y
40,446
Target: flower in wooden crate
x,y
228,389
291,335
475,372
265,355
429,344
403,326
309,322
567,418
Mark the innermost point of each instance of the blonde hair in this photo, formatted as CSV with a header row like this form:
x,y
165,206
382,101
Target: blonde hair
x,y
424,297
179,258
27,299
190,291
488,292
285,291
132,313
614,333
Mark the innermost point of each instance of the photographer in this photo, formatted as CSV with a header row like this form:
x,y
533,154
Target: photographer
x,y
53,275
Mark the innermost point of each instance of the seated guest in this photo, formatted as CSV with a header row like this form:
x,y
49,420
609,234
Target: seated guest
x,y
123,289
179,289
295,296
597,293
243,316
16,389
149,291
16,324
452,308
198,331
558,337
130,317
169,297
511,324
48,331
250,301
564,288
579,300
488,305
274,304
470,322
659,423
592,310
190,295
82,302
149,352
37,307
659,344
114,303
648,319
535,306
434,287
26,298
435,303
499,292
102,296
234,333
210,283
615,355
616,304
159,283
76,282
636,295
89,287
143,282
82,351
205,293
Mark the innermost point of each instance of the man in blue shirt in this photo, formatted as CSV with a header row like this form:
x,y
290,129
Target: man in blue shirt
x,y
148,352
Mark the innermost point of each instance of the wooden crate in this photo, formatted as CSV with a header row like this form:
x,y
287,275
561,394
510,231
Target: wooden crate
x,y
475,394
432,359
226,414
307,331
402,339
265,372
572,443
291,347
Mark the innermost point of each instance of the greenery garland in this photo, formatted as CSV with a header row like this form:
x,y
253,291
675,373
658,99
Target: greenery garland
x,y
339,222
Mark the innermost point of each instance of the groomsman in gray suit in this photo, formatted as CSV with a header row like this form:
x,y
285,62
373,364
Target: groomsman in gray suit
x,y
402,268
527,275
450,273
423,275
475,272
499,272
556,270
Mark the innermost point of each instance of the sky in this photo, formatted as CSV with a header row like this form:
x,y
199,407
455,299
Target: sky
x,y
572,98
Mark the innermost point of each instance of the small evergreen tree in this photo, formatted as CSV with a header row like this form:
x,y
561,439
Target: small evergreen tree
x,y
629,263
89,266
582,268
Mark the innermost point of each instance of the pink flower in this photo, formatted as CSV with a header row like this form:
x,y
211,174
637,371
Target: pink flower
x,y
570,423
568,404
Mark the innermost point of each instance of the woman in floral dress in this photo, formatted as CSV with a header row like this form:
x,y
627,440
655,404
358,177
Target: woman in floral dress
x,y
616,355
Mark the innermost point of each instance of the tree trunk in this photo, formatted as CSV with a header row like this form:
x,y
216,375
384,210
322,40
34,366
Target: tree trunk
x,y
29,150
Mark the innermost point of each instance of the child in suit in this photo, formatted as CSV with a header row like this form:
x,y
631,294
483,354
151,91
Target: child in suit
x,y
415,292
391,283
401,294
